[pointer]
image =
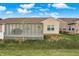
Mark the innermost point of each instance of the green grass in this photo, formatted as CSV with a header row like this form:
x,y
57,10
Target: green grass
x,y
70,37
58,52
69,45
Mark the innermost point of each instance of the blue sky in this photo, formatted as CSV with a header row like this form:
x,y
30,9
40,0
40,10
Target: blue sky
x,y
57,10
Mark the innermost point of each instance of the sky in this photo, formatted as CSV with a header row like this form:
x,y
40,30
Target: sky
x,y
43,10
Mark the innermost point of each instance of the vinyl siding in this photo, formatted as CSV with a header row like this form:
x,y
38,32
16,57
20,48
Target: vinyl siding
x,y
51,21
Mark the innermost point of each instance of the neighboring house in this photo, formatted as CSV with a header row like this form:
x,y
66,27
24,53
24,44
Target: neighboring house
x,y
28,28
69,25
77,27
63,26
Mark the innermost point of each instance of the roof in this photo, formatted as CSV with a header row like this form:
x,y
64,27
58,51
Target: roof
x,y
69,20
18,20
34,20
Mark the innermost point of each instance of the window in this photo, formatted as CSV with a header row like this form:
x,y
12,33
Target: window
x,y
69,27
73,28
50,27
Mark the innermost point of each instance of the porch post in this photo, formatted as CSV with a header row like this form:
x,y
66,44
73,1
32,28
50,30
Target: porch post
x,y
3,30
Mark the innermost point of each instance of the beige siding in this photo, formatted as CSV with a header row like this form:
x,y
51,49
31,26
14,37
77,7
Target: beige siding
x,y
51,21
77,27
63,25
72,31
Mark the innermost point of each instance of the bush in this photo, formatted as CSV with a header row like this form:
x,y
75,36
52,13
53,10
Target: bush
x,y
64,32
52,37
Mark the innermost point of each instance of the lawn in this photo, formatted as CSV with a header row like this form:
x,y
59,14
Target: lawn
x,y
68,46
58,52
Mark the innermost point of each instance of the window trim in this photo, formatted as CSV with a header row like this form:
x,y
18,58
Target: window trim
x,y
50,28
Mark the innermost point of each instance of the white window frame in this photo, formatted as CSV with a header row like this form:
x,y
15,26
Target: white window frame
x,y
50,28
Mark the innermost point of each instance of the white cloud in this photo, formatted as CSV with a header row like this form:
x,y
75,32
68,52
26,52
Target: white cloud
x,y
49,4
41,13
37,7
35,16
46,14
23,11
54,14
44,9
2,8
27,5
24,8
9,12
62,5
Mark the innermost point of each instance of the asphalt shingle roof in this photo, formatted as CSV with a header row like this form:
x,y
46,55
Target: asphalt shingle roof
x,y
17,20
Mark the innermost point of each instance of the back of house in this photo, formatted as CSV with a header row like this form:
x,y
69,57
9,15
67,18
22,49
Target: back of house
x,y
28,28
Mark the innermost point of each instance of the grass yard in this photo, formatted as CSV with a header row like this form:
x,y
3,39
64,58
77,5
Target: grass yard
x,y
68,46
58,52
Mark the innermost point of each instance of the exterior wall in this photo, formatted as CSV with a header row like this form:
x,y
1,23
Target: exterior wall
x,y
50,21
72,31
24,30
66,26
63,26
77,27
2,28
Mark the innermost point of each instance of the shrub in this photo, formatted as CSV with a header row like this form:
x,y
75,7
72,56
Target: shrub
x,y
52,37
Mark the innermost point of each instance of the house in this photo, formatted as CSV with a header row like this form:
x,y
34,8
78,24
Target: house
x,y
28,28
62,26
69,25
77,27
